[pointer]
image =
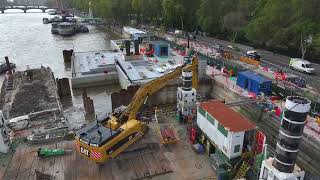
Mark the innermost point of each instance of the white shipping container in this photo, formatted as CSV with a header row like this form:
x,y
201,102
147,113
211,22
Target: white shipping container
x,y
231,145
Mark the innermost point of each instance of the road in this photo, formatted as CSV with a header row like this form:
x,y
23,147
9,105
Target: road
x,y
269,59
267,56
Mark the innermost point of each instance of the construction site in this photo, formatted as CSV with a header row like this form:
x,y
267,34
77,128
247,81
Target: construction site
x,y
180,114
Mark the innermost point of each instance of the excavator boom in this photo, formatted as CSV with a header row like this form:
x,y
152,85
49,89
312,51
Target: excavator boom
x,y
100,141
155,85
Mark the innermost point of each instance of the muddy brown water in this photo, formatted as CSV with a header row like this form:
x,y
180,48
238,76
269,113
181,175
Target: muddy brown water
x,y
28,42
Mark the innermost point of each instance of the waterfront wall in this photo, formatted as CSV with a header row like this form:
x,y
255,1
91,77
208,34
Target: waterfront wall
x,y
167,95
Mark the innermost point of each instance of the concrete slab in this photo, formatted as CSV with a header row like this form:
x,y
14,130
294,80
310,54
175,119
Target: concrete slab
x,y
94,68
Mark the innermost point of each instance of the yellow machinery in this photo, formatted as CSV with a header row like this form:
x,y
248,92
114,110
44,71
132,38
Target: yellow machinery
x,y
99,141
251,58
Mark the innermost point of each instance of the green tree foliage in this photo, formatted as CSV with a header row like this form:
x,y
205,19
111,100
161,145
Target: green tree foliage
x,y
285,24
209,15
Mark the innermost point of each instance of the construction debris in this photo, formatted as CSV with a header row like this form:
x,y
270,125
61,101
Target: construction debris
x,y
32,105
168,134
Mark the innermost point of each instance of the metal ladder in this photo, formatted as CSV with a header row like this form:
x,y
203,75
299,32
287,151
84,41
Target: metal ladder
x,y
242,170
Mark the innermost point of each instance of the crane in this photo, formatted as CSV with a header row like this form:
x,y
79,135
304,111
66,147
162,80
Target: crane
x,y
100,141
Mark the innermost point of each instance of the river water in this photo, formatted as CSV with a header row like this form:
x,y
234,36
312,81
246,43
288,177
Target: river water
x,y
28,42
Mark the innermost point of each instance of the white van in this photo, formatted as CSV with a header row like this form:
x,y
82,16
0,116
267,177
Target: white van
x,y
301,65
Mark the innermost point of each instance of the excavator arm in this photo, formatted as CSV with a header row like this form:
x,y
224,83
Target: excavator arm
x,y
155,85
99,142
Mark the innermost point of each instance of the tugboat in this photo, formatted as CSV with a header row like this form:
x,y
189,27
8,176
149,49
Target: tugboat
x,y
53,12
66,28
81,28
51,20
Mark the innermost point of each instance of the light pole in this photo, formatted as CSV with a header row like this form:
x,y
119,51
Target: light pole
x,y
90,10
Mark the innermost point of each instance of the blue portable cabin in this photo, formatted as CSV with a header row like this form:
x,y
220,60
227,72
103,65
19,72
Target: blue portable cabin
x,y
254,83
161,48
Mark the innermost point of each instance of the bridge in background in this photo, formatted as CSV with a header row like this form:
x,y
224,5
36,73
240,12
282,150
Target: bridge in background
x,y
25,5
24,8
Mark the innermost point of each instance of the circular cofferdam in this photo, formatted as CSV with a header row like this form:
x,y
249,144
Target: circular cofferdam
x,y
290,132
187,80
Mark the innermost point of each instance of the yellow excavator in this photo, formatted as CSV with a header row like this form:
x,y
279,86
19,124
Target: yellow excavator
x,y
103,140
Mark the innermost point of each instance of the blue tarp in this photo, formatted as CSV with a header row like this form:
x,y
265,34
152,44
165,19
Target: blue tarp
x,y
254,82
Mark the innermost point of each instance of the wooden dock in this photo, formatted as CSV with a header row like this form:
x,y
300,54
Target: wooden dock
x,y
156,161
154,164
72,166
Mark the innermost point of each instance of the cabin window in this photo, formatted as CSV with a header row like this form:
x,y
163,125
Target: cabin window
x,y
201,111
222,130
236,149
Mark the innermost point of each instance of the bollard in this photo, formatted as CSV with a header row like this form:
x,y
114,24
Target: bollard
x,y
8,65
67,54
63,87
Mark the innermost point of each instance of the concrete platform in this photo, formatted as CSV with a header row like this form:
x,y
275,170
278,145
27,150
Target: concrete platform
x,y
141,71
94,68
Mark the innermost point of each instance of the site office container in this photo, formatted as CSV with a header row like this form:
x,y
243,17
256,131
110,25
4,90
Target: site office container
x,y
230,143
254,83
229,140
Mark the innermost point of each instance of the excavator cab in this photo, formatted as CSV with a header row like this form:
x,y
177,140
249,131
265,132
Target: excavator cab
x,y
186,60
99,143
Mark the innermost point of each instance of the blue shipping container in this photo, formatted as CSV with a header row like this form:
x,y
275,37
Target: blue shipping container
x,y
161,48
254,83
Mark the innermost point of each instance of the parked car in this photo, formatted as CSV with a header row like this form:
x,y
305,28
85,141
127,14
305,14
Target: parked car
x,y
301,65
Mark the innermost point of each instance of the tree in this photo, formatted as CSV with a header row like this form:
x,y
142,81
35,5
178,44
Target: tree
x,y
180,11
306,30
234,21
169,11
208,16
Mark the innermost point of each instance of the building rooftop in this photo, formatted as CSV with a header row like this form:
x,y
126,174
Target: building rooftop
x,y
160,43
95,133
228,118
86,63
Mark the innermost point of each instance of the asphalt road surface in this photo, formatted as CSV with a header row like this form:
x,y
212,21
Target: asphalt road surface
x,y
269,59
267,56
